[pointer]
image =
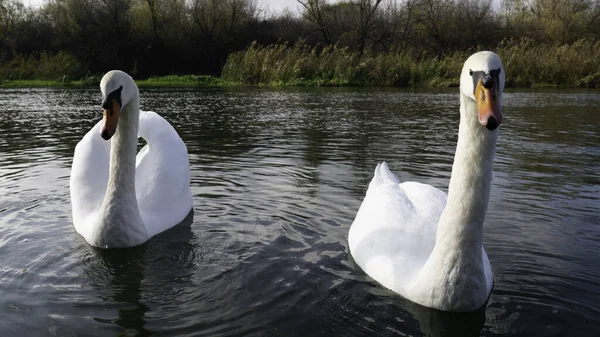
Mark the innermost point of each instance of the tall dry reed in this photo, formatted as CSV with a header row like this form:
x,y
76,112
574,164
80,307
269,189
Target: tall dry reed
x,y
527,64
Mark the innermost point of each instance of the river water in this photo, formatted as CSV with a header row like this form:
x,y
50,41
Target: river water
x,y
277,177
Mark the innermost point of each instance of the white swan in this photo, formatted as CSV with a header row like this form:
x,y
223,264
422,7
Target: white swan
x,y
411,238
120,199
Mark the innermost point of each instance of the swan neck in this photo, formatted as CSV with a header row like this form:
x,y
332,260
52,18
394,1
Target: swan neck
x,y
120,223
123,152
469,188
460,228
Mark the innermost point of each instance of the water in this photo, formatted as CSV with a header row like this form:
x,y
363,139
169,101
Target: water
x,y
277,177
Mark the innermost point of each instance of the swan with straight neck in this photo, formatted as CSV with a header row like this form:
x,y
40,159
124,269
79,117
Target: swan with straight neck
x,y
422,244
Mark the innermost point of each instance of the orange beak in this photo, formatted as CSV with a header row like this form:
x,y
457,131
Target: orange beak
x,y
110,117
488,108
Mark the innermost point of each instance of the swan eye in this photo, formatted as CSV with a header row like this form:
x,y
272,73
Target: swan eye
x,y
495,72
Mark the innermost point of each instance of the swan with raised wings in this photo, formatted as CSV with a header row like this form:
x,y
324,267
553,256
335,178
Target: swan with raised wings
x,y
424,245
122,198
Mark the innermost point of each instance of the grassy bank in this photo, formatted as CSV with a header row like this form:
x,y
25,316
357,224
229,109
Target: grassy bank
x,y
171,81
183,81
527,64
39,84
63,70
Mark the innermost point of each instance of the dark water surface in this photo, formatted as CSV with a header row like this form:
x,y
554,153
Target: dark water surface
x,y
277,178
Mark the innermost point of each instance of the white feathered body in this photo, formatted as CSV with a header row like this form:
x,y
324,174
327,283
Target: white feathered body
x,y
162,186
421,243
392,239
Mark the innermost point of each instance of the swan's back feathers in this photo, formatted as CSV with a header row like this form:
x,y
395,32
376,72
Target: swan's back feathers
x,y
163,162
393,233
89,176
162,177
382,175
153,127
409,239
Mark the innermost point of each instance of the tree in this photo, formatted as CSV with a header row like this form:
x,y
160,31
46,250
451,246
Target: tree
x,y
11,12
313,13
367,10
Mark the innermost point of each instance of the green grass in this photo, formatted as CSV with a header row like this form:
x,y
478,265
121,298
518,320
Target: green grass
x,y
39,84
174,81
184,81
528,64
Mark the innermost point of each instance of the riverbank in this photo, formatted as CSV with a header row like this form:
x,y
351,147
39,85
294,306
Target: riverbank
x,y
527,65
218,83
174,81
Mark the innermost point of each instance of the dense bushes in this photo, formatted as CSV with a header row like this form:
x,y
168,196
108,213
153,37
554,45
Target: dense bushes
x,y
60,66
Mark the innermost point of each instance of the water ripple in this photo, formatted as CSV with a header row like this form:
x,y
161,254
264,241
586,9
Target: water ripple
x,y
277,177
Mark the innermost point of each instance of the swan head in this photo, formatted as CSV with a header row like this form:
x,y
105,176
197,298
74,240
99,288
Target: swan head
x,y
482,80
118,90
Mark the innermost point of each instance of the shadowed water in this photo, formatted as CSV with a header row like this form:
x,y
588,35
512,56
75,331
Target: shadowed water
x,y
277,177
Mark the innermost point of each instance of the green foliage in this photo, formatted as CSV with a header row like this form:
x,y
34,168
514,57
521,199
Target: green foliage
x,y
91,80
353,42
527,63
94,80
61,67
182,81
38,84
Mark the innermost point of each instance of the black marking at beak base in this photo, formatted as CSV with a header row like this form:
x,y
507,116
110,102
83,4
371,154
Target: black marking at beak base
x,y
116,95
488,79
488,82
105,135
492,123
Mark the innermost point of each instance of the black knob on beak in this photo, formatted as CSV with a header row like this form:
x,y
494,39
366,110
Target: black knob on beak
x,y
488,82
105,135
492,123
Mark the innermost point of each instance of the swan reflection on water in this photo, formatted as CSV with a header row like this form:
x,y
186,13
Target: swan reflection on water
x,y
267,253
436,323
121,275
413,318
170,271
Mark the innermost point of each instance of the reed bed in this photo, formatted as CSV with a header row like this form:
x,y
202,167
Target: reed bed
x,y
527,63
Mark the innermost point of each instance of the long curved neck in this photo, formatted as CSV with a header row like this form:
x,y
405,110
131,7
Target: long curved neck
x,y
456,261
121,178
120,223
